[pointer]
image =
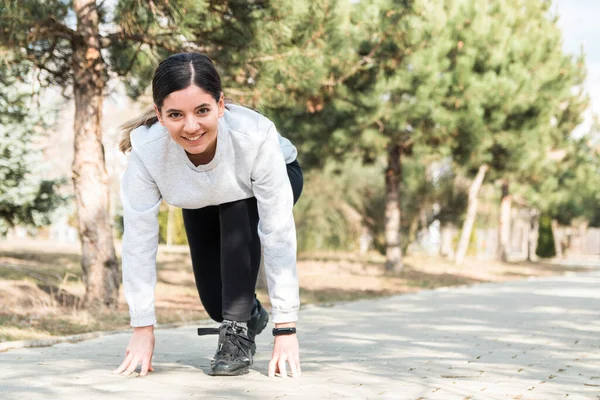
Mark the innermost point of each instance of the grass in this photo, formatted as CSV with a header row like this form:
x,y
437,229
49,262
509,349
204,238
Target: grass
x,y
41,286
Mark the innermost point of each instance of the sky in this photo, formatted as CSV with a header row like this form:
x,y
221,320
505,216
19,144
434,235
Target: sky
x,y
578,20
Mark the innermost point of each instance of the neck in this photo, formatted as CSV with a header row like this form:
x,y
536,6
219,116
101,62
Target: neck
x,y
205,157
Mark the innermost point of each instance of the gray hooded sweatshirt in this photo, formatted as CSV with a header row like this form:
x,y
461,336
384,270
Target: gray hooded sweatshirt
x,y
250,161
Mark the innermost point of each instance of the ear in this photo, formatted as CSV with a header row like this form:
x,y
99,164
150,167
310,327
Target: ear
x,y
156,110
221,105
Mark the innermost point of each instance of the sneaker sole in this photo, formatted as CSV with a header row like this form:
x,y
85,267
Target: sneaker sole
x,y
241,371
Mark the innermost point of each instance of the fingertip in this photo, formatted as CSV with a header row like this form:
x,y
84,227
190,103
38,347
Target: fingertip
x,y
283,374
271,369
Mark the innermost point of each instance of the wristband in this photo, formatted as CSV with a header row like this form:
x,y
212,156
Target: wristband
x,y
284,331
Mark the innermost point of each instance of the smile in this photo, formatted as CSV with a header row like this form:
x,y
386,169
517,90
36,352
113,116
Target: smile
x,y
194,138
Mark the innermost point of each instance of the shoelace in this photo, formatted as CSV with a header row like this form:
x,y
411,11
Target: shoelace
x,y
208,331
236,339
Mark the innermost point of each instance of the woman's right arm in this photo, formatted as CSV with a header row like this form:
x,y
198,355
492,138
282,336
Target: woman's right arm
x,y
141,201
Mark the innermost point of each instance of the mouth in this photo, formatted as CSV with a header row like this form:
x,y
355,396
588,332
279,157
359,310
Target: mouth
x,y
194,139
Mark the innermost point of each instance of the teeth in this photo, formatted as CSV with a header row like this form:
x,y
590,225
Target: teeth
x,y
191,139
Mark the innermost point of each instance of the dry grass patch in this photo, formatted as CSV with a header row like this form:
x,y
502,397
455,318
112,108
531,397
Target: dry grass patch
x,y
41,286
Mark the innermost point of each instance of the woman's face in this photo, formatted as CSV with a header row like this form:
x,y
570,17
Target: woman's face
x,y
191,116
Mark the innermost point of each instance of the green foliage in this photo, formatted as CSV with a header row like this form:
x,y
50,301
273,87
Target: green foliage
x,y
26,198
343,198
545,245
570,187
335,205
456,83
510,81
179,235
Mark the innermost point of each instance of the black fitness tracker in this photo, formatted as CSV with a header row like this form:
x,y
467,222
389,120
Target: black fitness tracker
x,y
283,331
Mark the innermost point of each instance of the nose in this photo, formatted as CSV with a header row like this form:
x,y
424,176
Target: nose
x,y
191,125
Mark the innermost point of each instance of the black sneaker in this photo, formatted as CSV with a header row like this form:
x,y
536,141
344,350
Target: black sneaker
x,y
234,354
257,323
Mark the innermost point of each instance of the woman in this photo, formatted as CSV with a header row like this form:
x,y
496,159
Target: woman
x,y
236,180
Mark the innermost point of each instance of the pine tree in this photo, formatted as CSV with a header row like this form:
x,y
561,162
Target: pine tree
x,y
26,198
409,50
266,52
385,96
510,81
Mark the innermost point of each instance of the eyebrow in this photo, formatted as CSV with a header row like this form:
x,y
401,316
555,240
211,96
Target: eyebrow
x,y
170,110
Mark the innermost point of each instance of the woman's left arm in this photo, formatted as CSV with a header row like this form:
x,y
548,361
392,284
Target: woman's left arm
x,y
277,231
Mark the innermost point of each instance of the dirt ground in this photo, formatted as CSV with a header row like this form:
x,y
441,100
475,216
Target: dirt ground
x,y
41,285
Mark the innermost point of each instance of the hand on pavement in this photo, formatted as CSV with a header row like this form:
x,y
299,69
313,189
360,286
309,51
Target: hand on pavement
x,y
286,348
139,351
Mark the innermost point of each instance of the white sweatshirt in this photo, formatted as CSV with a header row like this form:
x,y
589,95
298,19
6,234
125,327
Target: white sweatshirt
x,y
250,160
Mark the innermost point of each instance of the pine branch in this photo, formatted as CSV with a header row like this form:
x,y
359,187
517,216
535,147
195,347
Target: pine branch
x,y
132,62
153,42
51,28
366,59
116,37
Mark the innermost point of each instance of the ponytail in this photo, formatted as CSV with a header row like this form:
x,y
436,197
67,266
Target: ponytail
x,y
148,118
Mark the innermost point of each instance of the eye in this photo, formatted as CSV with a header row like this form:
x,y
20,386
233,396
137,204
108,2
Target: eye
x,y
175,115
203,111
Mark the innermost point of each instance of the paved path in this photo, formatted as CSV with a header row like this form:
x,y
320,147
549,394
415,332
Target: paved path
x,y
535,339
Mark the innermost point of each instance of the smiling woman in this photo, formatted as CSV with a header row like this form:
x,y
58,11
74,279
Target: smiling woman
x,y
192,126
236,180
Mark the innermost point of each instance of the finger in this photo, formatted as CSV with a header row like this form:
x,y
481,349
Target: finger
x,y
132,366
145,367
293,366
124,364
298,367
272,366
150,367
281,365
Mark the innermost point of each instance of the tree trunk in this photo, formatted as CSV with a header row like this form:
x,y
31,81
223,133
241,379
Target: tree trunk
x,y
446,248
534,231
465,235
524,242
557,239
365,240
393,175
90,179
504,224
412,233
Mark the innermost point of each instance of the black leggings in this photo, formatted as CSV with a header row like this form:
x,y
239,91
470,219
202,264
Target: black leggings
x,y
225,250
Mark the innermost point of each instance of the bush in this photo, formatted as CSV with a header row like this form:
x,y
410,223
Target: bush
x,y
545,246
179,236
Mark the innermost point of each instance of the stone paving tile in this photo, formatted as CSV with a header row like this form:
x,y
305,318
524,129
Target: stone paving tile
x,y
528,340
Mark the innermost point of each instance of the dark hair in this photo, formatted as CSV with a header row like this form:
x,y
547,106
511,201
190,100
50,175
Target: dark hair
x,y
179,71
174,73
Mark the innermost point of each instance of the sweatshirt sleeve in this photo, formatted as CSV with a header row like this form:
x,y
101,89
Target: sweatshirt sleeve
x,y
276,227
141,201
